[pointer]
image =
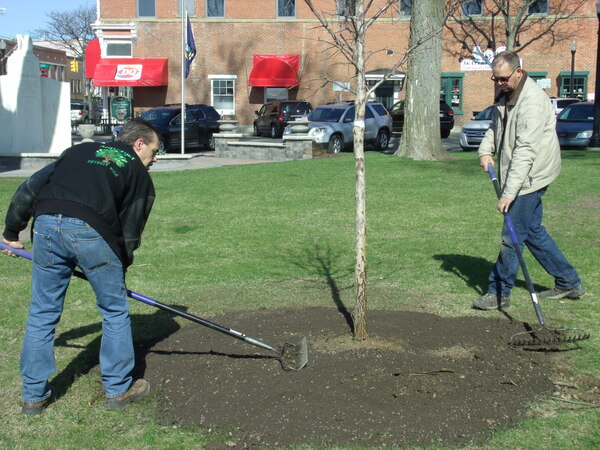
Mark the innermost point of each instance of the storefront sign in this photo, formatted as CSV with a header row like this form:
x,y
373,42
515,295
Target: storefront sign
x,y
129,72
120,108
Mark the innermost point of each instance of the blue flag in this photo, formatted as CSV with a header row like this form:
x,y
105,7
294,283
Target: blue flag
x,y
190,46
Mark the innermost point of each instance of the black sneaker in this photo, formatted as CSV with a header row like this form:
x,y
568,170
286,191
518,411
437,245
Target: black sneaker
x,y
139,389
35,408
555,294
491,301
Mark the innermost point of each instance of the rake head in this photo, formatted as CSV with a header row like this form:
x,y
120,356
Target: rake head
x,y
294,356
546,336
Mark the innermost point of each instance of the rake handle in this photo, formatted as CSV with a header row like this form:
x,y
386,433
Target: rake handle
x,y
150,301
517,247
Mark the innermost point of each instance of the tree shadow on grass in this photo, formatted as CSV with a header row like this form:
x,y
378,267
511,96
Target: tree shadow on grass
x,y
323,263
148,330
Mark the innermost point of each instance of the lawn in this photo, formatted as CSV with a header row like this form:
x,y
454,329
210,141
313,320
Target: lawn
x,y
282,235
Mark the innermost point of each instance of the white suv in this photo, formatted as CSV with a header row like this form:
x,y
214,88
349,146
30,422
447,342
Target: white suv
x,y
332,125
79,112
561,103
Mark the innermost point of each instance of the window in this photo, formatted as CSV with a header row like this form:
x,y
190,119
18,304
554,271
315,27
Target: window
x,y
190,5
118,49
579,89
472,7
276,93
146,8
215,8
539,7
451,90
286,8
345,8
223,94
404,7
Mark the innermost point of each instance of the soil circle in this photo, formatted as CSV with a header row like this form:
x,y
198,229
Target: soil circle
x,y
420,379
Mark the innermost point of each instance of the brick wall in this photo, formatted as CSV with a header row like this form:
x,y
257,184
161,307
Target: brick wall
x,y
225,47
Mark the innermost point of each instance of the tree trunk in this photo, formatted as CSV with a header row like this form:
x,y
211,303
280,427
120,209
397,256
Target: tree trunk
x,y
421,138
360,270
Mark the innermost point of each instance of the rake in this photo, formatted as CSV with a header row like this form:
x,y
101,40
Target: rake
x,y
291,356
544,335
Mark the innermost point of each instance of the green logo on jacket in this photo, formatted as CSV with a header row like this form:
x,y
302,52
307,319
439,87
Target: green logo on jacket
x,y
107,155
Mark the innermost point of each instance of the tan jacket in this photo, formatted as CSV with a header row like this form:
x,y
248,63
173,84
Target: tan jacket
x,y
528,154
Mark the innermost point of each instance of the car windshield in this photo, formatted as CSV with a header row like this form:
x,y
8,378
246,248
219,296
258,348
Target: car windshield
x,y
566,102
156,115
76,107
292,107
326,115
486,114
577,113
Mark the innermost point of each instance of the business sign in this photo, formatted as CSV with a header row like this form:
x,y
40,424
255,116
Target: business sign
x,y
341,86
481,60
129,72
544,83
120,108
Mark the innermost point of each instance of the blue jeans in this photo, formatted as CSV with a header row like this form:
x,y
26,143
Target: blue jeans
x,y
526,215
60,244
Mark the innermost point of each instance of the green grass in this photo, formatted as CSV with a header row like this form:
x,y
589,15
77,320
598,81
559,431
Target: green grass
x,y
282,235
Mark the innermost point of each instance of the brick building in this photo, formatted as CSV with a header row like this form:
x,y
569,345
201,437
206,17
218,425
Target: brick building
x,y
251,51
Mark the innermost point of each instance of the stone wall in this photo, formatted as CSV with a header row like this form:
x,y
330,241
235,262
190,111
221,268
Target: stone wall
x,y
229,145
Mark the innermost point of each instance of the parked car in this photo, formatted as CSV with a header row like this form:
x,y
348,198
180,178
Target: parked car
x,y
473,131
79,112
273,117
200,124
561,103
446,117
574,125
332,125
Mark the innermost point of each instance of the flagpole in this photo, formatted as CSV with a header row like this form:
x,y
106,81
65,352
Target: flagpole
x,y
183,42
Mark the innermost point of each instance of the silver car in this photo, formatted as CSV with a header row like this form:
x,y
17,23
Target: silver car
x,y
332,126
473,131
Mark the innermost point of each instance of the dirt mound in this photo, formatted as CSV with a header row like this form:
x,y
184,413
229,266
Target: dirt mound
x,y
421,379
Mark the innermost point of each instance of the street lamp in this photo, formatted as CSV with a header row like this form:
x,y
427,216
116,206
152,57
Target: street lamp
x,y
573,50
595,139
2,50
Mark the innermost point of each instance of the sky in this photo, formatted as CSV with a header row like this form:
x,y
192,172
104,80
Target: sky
x,y
24,16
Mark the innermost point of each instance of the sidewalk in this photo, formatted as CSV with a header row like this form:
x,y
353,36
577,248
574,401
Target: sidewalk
x,y
168,162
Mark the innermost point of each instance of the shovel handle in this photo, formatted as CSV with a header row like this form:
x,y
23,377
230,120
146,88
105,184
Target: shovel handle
x,y
150,301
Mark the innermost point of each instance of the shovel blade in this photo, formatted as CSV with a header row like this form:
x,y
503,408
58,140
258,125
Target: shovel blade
x,y
294,356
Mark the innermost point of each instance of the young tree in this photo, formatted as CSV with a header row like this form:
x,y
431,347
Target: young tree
x,y
346,33
421,140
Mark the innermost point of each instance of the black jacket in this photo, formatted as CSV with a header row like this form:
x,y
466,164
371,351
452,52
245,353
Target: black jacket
x,y
106,185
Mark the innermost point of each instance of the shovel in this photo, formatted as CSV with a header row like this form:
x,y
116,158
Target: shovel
x,y
291,356
544,335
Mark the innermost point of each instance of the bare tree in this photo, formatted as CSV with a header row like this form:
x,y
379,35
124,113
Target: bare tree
x,y
421,140
345,35
71,30
516,24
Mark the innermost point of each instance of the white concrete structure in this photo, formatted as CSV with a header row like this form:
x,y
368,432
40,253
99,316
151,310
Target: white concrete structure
x,y
35,113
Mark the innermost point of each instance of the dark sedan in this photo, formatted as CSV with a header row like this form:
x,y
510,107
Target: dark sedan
x,y
446,117
574,125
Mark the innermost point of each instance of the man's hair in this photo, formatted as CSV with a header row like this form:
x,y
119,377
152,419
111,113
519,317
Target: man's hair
x,y
135,129
507,57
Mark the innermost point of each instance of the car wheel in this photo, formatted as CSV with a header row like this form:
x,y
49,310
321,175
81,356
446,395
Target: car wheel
x,y
256,133
383,140
336,144
209,144
274,132
445,134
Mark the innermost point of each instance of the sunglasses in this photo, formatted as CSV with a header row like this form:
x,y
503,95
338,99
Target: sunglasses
x,y
502,79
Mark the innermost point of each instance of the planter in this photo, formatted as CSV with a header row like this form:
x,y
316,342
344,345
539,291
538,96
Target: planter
x,y
299,127
227,126
86,130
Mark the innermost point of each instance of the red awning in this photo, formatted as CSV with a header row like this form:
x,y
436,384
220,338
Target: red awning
x,y
132,72
274,71
92,57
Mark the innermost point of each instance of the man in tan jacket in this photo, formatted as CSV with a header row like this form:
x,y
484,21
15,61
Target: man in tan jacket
x,y
523,138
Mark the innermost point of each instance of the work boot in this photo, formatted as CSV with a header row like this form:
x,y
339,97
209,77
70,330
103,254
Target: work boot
x,y
35,408
555,294
491,301
139,389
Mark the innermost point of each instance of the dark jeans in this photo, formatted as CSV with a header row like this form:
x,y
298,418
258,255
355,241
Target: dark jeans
x,y
526,215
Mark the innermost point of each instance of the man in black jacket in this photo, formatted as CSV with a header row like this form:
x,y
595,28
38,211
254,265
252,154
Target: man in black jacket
x,y
90,208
